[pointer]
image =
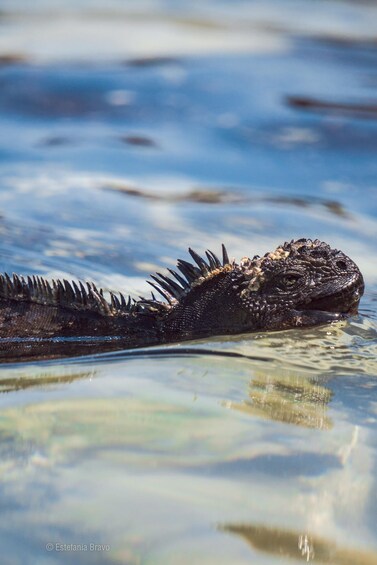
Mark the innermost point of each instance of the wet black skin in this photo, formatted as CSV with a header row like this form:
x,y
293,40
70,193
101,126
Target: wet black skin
x,y
303,283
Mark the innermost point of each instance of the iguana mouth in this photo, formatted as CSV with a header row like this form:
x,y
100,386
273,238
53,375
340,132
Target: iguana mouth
x,y
344,301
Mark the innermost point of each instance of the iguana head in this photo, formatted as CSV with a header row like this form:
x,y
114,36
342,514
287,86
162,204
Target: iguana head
x,y
300,282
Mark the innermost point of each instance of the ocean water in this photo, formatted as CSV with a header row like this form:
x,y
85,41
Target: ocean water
x,y
129,132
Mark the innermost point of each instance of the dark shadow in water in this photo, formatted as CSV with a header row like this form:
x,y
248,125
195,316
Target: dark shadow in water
x,y
206,196
12,59
22,350
332,206
229,196
345,41
26,350
139,141
148,62
298,545
356,110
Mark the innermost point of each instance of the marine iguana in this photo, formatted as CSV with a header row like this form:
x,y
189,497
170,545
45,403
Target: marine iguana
x,y
301,283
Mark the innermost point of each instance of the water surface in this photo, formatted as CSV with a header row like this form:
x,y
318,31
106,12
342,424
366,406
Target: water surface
x,y
129,134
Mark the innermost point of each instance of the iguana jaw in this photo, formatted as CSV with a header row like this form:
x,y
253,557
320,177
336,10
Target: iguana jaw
x,y
345,301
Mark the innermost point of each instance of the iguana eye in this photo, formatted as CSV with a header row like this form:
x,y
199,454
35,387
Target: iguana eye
x,y
287,282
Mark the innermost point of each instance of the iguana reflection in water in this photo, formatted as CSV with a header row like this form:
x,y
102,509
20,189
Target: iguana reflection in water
x,y
292,399
10,383
299,546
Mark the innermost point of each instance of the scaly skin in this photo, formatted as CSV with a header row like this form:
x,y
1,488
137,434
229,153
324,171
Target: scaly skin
x,y
301,283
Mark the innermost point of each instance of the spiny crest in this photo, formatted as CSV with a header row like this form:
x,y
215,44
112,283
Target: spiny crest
x,y
65,294
174,288
76,296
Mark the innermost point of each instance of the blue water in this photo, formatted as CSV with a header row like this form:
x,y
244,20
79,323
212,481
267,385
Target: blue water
x,y
248,124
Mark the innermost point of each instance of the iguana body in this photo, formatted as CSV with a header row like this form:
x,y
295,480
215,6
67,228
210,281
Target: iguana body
x,y
301,283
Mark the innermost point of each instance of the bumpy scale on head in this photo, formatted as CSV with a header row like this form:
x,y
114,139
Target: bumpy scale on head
x,y
256,268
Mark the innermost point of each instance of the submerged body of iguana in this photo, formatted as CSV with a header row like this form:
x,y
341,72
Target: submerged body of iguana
x,y
301,283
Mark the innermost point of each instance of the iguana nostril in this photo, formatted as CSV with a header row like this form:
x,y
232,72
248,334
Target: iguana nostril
x,y
342,265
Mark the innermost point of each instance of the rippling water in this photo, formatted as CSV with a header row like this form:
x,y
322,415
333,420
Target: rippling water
x,y
128,133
